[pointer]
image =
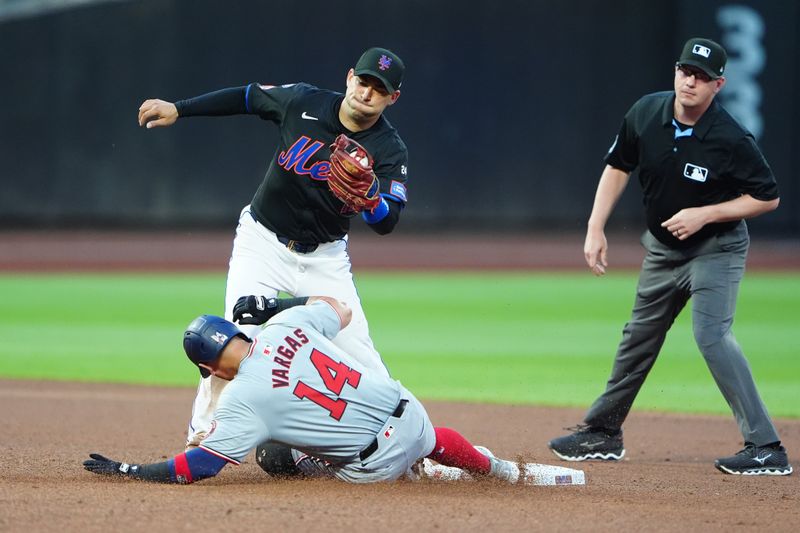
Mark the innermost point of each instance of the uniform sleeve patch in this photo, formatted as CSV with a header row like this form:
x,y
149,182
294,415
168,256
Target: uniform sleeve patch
x,y
398,190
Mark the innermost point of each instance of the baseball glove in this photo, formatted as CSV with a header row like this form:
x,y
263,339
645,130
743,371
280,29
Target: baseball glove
x,y
351,177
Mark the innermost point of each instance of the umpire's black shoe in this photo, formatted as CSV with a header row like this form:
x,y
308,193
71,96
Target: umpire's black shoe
x,y
587,442
756,461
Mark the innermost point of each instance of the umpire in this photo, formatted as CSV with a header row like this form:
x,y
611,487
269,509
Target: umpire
x,y
701,174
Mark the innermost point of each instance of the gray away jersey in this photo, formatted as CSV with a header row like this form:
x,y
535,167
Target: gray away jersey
x,y
295,387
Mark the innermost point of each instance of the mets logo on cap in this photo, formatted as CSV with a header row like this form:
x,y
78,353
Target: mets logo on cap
x,y
384,62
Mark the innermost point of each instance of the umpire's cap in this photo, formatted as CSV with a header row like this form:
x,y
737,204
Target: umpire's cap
x,y
206,337
706,55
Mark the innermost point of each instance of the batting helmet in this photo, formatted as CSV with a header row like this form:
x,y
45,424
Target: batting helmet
x,y
206,337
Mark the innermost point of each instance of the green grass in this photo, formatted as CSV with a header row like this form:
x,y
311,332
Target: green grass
x,y
517,338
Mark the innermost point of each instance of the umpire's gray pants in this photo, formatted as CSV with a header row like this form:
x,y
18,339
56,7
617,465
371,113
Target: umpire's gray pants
x,y
709,273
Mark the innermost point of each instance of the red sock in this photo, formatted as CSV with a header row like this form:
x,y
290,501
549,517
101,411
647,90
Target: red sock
x,y
452,449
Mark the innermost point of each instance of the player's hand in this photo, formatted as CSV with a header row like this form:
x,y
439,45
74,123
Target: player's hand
x,y
103,465
256,310
155,113
595,250
686,222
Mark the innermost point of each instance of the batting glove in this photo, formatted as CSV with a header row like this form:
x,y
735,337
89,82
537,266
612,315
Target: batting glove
x,y
103,465
254,309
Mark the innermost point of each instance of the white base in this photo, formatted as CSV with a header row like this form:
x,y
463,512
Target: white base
x,y
532,474
536,474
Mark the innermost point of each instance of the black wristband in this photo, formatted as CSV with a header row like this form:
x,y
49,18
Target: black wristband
x,y
282,304
158,472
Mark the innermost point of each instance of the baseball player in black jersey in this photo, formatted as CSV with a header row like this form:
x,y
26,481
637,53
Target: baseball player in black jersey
x,y
293,235
702,174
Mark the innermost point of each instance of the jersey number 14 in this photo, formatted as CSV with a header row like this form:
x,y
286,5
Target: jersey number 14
x,y
335,375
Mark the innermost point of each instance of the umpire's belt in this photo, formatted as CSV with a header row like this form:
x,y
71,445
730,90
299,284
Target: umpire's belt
x,y
373,446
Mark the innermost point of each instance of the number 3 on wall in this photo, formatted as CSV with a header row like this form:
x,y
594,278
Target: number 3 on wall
x,y
743,30
334,375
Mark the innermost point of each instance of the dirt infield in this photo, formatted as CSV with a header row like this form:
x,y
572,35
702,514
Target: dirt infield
x,y
666,482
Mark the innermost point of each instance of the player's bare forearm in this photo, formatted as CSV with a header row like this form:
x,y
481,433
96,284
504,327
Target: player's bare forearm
x,y
689,221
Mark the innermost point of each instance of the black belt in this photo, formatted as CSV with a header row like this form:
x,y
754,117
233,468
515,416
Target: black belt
x,y
298,247
373,446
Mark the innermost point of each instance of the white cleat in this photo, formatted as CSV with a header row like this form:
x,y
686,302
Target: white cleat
x,y
501,469
534,473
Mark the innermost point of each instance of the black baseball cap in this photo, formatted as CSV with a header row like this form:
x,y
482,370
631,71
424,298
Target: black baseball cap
x,y
384,65
705,54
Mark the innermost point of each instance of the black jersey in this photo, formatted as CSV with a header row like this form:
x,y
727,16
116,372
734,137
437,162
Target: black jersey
x,y
712,162
294,200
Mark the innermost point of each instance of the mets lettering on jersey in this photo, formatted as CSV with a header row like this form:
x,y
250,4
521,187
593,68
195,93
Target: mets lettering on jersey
x,y
280,376
296,159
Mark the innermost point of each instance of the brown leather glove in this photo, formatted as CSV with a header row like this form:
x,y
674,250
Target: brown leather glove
x,y
351,177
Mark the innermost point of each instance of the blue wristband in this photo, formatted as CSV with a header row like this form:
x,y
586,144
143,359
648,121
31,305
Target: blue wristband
x,y
378,214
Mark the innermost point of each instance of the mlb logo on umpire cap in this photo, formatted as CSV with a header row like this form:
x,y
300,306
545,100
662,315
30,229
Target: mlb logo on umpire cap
x,y
701,50
704,54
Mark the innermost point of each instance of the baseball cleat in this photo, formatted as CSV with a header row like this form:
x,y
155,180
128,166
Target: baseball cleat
x,y
588,443
501,469
756,461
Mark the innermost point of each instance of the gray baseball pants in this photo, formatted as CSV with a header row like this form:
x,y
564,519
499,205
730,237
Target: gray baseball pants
x,y
709,273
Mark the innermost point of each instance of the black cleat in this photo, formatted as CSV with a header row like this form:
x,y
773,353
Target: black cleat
x,y
756,461
587,443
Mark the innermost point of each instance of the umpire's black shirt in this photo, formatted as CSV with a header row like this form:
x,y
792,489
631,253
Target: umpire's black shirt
x,y
714,161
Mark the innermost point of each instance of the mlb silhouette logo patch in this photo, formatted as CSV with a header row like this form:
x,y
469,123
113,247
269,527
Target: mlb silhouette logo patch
x,y
388,432
693,172
701,50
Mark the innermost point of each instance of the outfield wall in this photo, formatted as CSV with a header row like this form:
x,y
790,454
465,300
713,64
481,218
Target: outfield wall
x,y
508,106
